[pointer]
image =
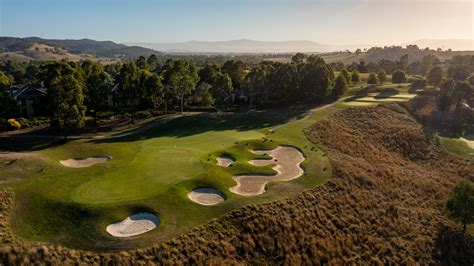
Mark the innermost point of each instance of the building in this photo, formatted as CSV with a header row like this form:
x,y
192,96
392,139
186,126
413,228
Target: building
x,y
30,98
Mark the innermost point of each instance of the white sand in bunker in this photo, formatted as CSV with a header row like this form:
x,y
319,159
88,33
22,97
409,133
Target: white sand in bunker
x,y
287,162
135,224
206,196
80,163
224,161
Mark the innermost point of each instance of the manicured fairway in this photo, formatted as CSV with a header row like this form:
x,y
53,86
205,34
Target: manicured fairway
x,y
458,146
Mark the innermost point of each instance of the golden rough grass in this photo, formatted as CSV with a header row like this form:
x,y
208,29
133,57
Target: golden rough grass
x,y
383,206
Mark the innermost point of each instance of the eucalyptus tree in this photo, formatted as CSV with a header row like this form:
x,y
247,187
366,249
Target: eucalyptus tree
x,y
316,79
65,83
183,78
97,82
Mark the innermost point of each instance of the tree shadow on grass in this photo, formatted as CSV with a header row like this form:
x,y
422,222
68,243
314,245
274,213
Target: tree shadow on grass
x,y
28,142
454,249
189,125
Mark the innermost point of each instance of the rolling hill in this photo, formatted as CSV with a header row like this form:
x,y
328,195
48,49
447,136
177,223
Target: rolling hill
x,y
26,49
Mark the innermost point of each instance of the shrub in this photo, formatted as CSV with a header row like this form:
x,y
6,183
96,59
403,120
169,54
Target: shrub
x,y
25,123
13,124
105,115
417,84
372,79
143,114
3,124
89,121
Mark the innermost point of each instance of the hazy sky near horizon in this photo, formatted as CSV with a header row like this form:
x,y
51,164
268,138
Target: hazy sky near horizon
x,y
324,21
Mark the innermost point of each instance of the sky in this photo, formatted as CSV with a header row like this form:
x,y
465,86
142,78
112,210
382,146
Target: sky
x,y
324,21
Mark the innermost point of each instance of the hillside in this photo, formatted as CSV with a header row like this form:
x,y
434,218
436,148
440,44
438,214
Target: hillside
x,y
88,47
384,205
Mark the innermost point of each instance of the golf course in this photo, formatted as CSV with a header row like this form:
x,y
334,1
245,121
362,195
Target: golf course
x,y
75,194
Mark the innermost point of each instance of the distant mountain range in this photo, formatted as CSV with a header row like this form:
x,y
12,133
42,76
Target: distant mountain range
x,y
243,46
252,46
34,48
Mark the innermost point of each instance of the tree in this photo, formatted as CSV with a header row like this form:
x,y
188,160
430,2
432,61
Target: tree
x,y
372,79
435,76
340,87
346,75
283,79
459,72
7,104
154,88
207,99
221,88
96,89
153,63
236,71
129,83
399,77
428,62
299,58
65,85
254,83
382,76
355,78
403,63
183,79
316,79
460,204
445,95
142,62
208,73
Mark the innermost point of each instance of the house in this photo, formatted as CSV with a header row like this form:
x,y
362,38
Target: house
x,y
116,98
30,98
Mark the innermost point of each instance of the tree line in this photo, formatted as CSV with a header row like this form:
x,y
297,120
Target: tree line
x,y
77,89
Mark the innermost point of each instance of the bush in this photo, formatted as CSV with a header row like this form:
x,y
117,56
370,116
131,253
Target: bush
x,y
13,124
418,84
39,121
143,114
25,123
89,121
105,115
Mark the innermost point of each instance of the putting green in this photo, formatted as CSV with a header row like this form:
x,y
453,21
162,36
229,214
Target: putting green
x,y
163,162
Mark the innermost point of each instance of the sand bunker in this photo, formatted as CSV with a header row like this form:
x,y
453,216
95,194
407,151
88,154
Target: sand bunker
x,y
206,196
224,161
287,162
80,163
135,224
376,98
